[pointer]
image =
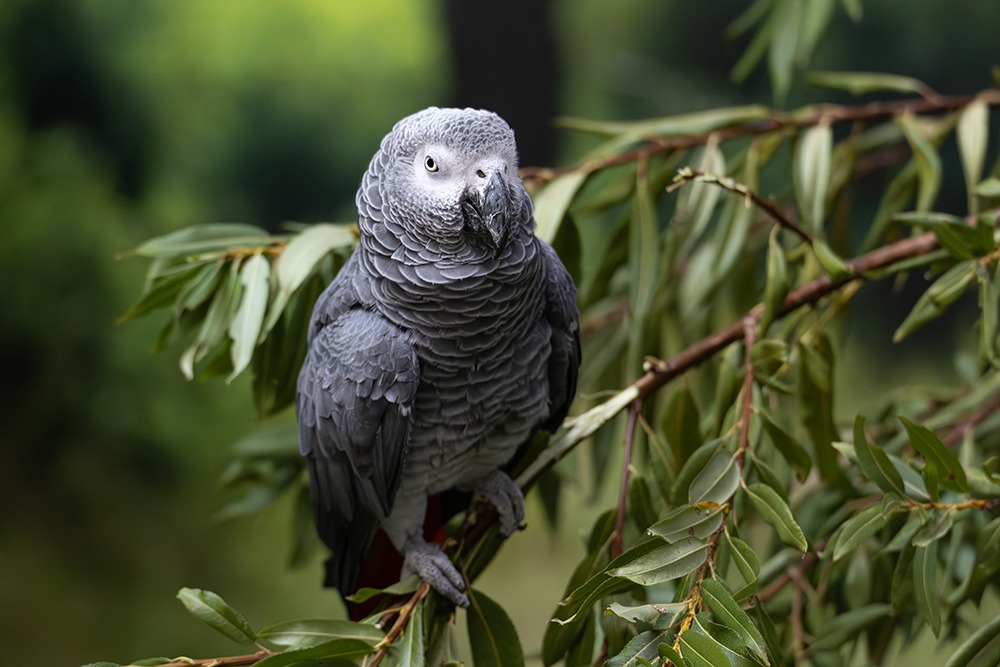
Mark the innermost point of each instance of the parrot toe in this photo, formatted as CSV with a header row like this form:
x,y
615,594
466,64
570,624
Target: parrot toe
x,y
500,491
433,566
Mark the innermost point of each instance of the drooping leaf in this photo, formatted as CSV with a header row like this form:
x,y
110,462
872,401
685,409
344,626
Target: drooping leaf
x,y
639,650
811,174
728,612
312,631
795,454
680,423
640,503
245,327
657,615
702,651
925,585
927,160
874,463
688,521
844,627
212,609
777,285
335,653
664,563
816,401
857,529
717,481
784,45
745,558
492,635
861,83
774,510
552,203
936,454
938,296
973,136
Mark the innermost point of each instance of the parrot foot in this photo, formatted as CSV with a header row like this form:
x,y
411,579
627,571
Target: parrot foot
x,y
500,491
433,566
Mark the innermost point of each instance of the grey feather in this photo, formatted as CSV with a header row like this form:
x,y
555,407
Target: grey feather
x,y
449,337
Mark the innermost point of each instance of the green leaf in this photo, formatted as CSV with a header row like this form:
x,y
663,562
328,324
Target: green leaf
x,y
670,561
816,402
942,293
961,240
934,530
728,612
835,267
492,635
313,631
975,644
644,258
989,318
702,651
197,292
692,468
927,160
774,511
639,650
681,125
213,328
925,585
404,587
776,286
658,616
989,187
796,455
844,627
784,45
640,503
163,293
688,521
973,135
861,83
212,609
936,454
246,325
811,174
717,481
874,463
202,238
552,203
857,529
667,652
746,561
334,653
680,423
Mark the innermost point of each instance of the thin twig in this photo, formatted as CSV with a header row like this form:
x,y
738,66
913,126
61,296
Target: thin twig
x,y
726,183
798,633
402,619
228,661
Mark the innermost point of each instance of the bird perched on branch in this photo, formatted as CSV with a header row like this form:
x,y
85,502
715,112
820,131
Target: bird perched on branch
x,y
449,337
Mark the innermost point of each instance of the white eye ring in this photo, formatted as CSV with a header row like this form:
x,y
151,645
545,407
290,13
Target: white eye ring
x,y
430,165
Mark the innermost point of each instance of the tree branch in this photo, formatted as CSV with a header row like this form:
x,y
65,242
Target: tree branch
x,y
832,113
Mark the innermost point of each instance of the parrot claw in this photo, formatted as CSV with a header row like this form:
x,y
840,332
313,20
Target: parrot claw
x,y
433,566
500,491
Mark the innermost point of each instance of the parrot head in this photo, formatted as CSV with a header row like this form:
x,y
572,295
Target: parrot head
x,y
451,175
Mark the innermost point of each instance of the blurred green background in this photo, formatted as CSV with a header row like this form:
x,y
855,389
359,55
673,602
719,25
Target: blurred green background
x,y
124,119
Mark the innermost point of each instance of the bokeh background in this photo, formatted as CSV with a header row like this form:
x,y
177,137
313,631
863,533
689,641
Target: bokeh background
x,y
124,119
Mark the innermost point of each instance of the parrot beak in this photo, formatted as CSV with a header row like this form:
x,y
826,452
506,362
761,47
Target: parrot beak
x,y
489,213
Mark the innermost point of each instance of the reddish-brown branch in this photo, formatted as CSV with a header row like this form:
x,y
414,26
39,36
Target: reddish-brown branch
x,y
229,661
823,113
664,371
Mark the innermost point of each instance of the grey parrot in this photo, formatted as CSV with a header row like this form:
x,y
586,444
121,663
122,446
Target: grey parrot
x,y
449,337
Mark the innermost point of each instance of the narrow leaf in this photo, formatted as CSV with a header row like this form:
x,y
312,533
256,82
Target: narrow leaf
x,y
310,632
202,238
728,612
936,454
776,286
212,609
938,296
796,455
746,561
717,481
333,652
492,635
844,627
874,463
812,174
860,83
688,521
249,318
552,203
925,585
411,644
774,510
973,135
665,563
974,645
658,616
639,650
857,529
702,651
927,160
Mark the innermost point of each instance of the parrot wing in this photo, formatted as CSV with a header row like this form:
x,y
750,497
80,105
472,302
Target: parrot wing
x,y
564,318
355,393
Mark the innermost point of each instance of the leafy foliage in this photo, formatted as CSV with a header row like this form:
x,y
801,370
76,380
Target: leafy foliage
x,y
755,526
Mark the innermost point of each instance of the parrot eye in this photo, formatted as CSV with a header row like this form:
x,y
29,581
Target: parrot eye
x,y
430,164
